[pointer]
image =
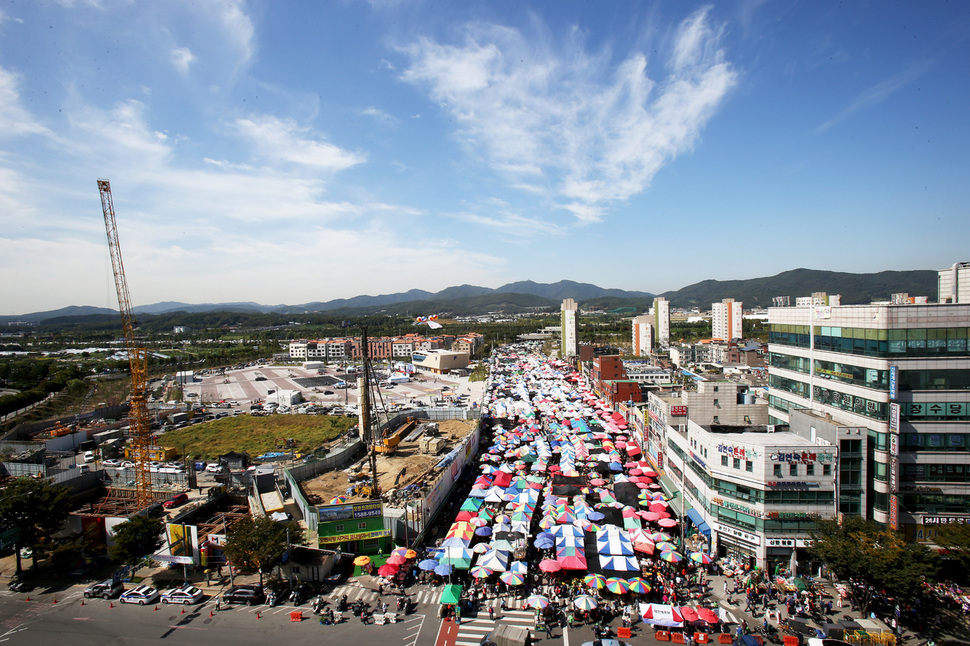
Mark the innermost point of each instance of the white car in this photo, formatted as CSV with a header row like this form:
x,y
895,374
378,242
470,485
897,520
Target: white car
x,y
185,595
111,462
141,595
214,468
127,464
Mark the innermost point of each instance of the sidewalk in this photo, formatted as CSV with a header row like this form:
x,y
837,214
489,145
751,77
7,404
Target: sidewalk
x,y
757,617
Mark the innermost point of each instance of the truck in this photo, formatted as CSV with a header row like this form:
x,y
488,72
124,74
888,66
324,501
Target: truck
x,y
507,635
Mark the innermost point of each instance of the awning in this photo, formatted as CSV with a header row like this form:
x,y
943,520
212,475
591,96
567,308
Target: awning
x,y
699,523
451,594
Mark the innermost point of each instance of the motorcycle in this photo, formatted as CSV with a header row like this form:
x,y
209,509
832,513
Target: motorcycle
x,y
272,599
602,632
317,606
342,604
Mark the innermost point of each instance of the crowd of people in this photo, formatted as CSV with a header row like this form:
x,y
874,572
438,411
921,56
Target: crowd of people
x,y
564,511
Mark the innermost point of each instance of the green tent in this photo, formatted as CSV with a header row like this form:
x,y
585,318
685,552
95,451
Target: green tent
x,y
451,594
799,583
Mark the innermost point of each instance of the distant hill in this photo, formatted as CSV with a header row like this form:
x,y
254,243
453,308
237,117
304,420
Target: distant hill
x,y
522,295
568,289
65,312
854,288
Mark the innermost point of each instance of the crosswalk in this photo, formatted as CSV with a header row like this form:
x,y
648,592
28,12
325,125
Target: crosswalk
x,y
473,629
421,595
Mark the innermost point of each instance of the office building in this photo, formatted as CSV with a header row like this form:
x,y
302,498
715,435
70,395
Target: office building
x,y
892,384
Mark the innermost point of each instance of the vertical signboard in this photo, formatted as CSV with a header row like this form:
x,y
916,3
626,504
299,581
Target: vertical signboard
x,y
893,382
894,512
894,418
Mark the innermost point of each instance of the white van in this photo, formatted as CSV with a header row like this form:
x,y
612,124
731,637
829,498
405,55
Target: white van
x,y
89,456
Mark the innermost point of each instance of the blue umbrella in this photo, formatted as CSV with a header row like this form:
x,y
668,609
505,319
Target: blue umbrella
x,y
483,531
595,515
443,570
544,543
428,564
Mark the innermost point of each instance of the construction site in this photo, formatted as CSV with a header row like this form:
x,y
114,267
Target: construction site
x,y
406,457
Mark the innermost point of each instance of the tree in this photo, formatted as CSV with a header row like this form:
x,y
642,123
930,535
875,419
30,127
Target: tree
x,y
955,538
861,551
136,538
257,545
37,509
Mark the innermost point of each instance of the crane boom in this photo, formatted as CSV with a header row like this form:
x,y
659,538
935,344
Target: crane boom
x,y
137,356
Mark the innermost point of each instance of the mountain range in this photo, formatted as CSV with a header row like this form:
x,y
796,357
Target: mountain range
x,y
523,295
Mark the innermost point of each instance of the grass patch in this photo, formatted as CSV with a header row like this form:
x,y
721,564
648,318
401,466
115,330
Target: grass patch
x,y
255,435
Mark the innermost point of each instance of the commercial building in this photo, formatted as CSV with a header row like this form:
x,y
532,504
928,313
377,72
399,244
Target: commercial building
x,y
440,361
892,382
726,318
569,335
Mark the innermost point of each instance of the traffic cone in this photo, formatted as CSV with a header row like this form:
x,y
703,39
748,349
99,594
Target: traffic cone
x,y
55,601
156,608
82,602
183,611
111,605
28,599
257,616
210,614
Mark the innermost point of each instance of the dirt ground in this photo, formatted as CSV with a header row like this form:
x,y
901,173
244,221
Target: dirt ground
x,y
323,488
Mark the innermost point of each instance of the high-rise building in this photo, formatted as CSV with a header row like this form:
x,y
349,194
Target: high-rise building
x,y
954,283
893,383
726,318
661,321
642,336
570,328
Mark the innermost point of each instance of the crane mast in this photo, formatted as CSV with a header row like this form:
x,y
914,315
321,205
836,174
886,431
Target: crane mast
x,y
137,356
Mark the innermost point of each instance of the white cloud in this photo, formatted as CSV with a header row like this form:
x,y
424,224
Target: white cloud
x,y
182,59
566,123
14,119
282,140
238,26
876,94
380,115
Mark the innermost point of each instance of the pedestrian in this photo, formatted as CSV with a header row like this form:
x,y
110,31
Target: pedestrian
x,y
725,588
491,612
218,606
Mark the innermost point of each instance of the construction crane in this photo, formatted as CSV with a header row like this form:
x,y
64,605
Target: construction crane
x,y
137,357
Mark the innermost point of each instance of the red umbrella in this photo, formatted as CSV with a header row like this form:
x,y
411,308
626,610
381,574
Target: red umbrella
x,y
549,565
397,559
667,522
387,570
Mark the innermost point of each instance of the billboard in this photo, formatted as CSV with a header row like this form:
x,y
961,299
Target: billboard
x,y
353,510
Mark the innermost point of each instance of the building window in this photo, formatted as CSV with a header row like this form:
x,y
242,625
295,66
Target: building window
x,y
716,421
809,469
717,404
777,470
748,466
793,469
361,525
724,460
737,463
338,528
826,469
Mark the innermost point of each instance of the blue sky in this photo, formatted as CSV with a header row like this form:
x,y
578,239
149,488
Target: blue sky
x,y
290,152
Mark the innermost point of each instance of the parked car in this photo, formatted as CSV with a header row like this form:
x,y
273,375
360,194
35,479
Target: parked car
x,y
214,468
141,595
127,464
105,589
247,594
89,456
186,595
111,462
175,501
